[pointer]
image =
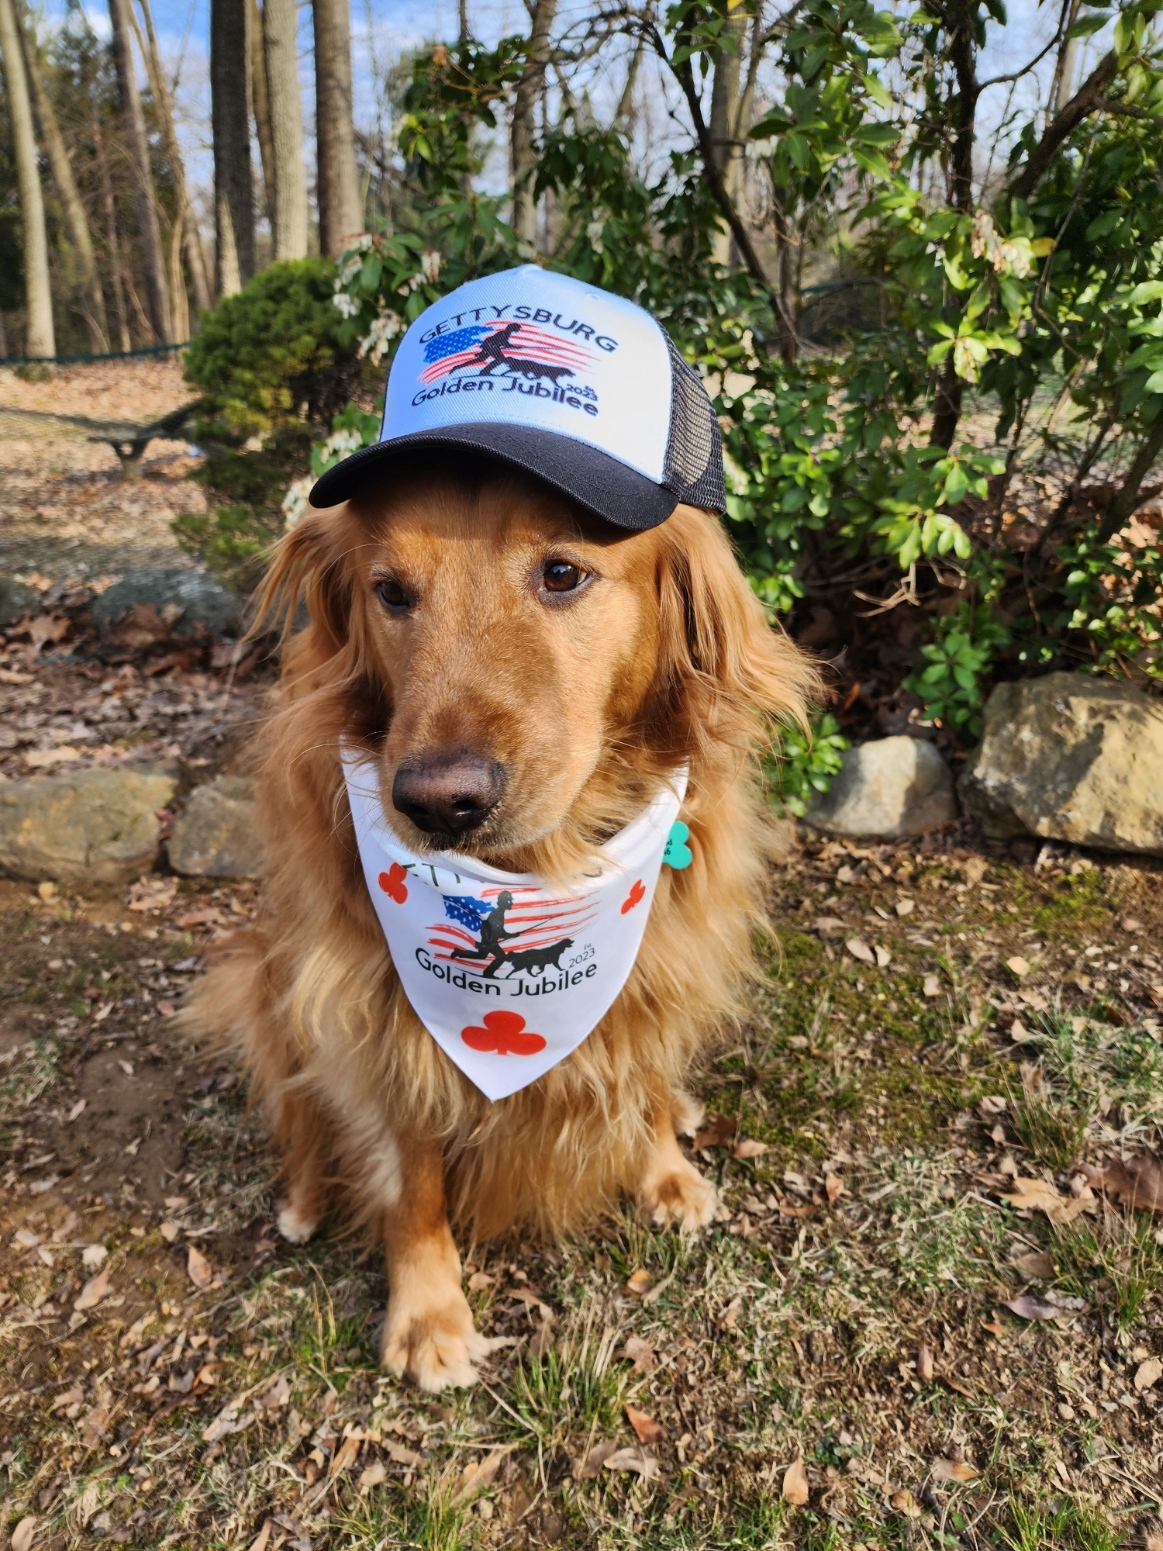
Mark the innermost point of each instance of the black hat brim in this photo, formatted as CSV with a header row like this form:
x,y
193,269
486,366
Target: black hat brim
x,y
600,483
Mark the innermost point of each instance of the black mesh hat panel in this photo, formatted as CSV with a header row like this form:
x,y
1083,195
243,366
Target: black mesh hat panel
x,y
694,449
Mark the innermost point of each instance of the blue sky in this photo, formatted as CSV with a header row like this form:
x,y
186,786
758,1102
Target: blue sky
x,y
383,29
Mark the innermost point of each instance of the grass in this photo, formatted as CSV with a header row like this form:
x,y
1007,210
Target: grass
x,y
871,1227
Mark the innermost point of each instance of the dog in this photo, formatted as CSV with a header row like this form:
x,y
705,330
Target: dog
x,y
529,646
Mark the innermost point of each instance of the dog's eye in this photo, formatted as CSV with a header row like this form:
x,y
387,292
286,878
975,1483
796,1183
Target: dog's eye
x,y
392,595
562,576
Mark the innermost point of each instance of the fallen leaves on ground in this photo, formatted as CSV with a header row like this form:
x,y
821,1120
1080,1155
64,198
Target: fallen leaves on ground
x,y
198,1268
1138,1182
637,1461
931,985
1147,1374
646,1429
747,1148
1035,1195
924,1364
953,1470
1034,1263
93,1256
795,1488
590,1468
93,1291
719,1131
1030,1306
859,949
1018,966
640,1353
476,1476
639,1282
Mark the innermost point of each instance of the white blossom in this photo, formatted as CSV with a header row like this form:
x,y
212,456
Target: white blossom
x,y
384,329
346,304
430,265
295,502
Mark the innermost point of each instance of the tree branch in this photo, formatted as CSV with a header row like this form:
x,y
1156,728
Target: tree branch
x,y
1089,97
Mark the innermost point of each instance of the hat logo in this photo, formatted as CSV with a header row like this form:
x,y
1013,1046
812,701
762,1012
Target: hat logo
x,y
513,349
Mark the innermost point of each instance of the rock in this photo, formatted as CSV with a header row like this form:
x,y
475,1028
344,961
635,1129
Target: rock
x,y
16,600
1073,758
891,787
185,602
93,826
216,837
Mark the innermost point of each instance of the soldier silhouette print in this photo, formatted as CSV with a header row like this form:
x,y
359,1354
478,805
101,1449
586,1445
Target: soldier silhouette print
x,y
490,353
493,933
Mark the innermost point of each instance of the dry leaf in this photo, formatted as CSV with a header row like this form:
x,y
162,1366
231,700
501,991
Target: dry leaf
x,y
372,1476
76,1112
208,1375
1036,1263
904,1502
275,1395
640,1353
883,956
228,1421
646,1429
542,1340
45,759
717,1133
590,1468
953,1470
749,1149
1028,1306
23,1533
828,926
905,907
95,1425
859,949
636,1460
344,1456
924,1364
1147,1374
1035,1195
1139,1182
169,1231
480,1280
834,1188
198,1268
93,1291
94,1256
932,985
795,1481
1018,966
259,1543
639,1282
477,1476
403,1456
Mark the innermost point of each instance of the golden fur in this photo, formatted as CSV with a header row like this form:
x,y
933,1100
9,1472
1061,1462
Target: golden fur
x,y
665,658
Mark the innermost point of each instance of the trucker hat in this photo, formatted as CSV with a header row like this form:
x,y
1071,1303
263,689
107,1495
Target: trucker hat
x,y
554,376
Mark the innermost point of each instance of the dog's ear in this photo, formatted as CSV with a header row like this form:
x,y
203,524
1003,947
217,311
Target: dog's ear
x,y
307,567
726,675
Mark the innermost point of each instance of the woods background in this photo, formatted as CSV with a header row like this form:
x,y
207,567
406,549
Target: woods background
x,y
915,252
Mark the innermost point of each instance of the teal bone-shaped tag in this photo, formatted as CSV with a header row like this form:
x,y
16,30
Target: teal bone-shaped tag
x,y
677,853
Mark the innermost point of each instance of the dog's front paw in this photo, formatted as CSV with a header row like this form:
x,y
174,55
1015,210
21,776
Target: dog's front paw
x,y
294,1224
679,1195
437,1347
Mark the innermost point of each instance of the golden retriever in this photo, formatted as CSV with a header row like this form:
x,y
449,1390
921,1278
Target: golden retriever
x,y
464,616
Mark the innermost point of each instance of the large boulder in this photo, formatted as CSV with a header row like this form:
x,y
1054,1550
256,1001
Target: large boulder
x,y
890,788
1070,758
185,603
216,837
93,826
16,600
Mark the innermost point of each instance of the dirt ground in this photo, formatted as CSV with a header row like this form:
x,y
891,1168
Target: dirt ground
x,y
930,1314
175,1375
65,513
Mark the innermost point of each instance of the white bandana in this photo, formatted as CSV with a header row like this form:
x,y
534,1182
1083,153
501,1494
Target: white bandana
x,y
507,974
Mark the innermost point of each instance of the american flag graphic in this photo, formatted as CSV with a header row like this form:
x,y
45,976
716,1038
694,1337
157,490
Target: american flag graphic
x,y
537,922
449,352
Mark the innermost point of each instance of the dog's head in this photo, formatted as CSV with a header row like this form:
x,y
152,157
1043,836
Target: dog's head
x,y
518,664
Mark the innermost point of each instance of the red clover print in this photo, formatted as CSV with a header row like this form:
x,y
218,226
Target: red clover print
x,y
393,883
636,895
504,1034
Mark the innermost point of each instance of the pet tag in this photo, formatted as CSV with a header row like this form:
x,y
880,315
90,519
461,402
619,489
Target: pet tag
x,y
677,853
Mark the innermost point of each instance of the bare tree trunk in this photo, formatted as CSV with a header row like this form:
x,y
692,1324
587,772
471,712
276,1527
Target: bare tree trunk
x,y
262,112
523,128
1066,65
148,232
726,143
279,19
66,184
233,188
39,340
340,207
112,245
1127,496
963,54
191,236
624,114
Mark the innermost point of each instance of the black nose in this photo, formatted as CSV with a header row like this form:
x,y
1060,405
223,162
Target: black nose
x,y
448,796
